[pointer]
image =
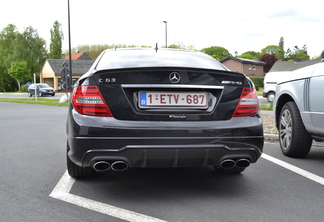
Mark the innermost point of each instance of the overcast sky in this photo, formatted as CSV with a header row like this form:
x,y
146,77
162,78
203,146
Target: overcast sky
x,y
236,25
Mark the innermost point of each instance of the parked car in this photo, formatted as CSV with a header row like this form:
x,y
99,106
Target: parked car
x,y
299,110
270,83
42,89
162,108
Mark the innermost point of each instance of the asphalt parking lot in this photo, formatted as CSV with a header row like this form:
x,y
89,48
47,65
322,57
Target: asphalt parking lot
x,y
35,186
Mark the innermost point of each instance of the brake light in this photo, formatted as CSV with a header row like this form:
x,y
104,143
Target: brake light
x,y
87,100
248,104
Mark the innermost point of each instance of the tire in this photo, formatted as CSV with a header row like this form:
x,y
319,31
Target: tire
x,y
76,171
294,139
271,96
234,170
29,94
53,94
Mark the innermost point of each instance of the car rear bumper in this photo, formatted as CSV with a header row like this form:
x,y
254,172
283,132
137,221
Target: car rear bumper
x,y
48,93
163,144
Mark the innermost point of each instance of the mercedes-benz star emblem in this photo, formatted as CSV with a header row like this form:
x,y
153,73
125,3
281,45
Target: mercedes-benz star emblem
x,y
174,77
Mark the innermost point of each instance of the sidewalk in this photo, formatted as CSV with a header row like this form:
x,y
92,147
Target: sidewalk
x,y
270,131
268,123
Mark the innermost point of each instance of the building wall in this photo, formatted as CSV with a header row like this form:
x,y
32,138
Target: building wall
x,y
47,71
233,65
49,81
247,69
48,76
253,70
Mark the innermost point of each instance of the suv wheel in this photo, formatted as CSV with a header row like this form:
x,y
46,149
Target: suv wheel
x,y
29,94
271,96
294,140
76,171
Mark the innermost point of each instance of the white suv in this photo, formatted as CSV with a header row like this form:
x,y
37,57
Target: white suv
x,y
299,110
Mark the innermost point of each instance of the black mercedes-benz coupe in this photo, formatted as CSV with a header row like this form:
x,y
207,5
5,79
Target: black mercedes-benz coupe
x,y
162,108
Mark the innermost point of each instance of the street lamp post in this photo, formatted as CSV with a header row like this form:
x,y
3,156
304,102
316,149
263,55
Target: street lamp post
x,y
166,34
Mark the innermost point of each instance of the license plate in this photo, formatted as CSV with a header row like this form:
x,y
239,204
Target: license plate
x,y
196,100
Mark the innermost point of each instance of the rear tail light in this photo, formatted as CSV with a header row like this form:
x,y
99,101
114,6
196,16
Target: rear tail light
x,y
87,100
248,104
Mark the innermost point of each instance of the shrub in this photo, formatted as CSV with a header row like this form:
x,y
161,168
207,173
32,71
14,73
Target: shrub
x,y
258,81
256,87
24,88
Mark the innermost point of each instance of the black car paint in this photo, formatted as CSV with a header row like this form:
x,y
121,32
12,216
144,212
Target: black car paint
x,y
150,138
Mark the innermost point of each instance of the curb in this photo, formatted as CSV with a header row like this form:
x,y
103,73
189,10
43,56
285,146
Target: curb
x,y
272,137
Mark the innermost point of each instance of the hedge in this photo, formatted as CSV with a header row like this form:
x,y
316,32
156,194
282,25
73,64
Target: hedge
x,y
258,81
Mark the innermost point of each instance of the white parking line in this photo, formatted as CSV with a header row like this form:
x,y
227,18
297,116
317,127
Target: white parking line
x,y
295,169
62,192
63,187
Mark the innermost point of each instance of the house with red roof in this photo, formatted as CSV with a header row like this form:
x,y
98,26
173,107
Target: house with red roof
x,y
53,69
78,56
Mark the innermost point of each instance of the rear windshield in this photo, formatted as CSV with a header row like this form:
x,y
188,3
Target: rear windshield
x,y
130,58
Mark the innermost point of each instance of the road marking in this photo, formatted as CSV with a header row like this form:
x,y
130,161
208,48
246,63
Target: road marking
x,y
63,187
295,169
62,192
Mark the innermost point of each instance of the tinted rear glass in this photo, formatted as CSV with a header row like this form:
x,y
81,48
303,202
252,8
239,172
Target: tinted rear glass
x,y
130,58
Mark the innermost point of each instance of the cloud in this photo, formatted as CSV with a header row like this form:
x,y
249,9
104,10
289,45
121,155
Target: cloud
x,y
295,15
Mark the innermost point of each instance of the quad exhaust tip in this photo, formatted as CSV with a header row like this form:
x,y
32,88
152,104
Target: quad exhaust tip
x,y
119,166
242,163
229,163
102,166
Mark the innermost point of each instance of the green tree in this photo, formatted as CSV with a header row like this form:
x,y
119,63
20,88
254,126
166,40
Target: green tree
x,y
281,52
316,58
28,46
298,54
270,49
7,38
19,71
56,41
180,45
93,51
250,55
216,52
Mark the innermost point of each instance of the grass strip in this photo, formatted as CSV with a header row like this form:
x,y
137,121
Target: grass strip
x,y
40,101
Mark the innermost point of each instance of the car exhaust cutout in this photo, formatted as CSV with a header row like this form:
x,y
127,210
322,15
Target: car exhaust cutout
x,y
119,166
101,166
227,164
243,163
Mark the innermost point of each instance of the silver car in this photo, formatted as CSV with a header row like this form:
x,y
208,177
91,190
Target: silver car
x,y
299,110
